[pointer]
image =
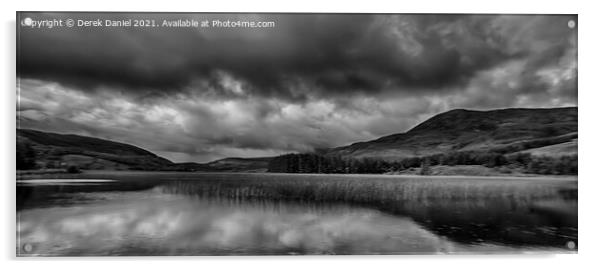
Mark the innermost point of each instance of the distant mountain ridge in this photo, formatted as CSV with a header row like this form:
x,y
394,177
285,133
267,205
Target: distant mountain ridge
x,y
258,164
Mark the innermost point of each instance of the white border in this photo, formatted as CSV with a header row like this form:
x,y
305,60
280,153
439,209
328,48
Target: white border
x,y
589,125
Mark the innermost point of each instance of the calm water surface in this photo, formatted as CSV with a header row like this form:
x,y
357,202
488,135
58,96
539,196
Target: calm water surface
x,y
255,214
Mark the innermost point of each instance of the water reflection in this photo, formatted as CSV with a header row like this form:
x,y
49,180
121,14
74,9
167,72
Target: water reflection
x,y
184,217
146,223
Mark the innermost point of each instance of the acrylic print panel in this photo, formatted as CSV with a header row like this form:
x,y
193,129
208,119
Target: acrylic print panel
x,y
282,134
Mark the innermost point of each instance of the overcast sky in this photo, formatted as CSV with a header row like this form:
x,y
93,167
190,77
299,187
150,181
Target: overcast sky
x,y
312,81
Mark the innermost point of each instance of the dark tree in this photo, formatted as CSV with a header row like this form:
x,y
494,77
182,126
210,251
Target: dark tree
x,y
26,156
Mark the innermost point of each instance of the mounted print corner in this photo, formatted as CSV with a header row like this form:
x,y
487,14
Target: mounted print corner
x,y
194,134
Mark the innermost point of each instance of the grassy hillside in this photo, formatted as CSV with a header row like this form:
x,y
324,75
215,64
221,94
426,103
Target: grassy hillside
x,y
509,130
43,150
224,165
569,147
240,164
54,150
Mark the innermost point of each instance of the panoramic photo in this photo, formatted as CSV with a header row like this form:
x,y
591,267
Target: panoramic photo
x,y
196,134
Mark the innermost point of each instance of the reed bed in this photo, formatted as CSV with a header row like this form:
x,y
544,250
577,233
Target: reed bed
x,y
371,189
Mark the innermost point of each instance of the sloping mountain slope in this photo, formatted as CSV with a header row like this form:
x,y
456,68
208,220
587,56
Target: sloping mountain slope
x,y
505,130
52,150
240,164
56,150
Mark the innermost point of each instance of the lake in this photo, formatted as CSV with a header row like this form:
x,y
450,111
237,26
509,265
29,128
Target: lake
x,y
163,213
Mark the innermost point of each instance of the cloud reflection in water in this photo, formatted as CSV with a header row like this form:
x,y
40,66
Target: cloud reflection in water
x,y
146,223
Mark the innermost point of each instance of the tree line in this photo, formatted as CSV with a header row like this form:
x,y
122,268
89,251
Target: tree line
x,y
316,163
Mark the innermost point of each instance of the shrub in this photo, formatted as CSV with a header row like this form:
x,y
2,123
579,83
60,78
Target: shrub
x,y
425,169
26,156
72,169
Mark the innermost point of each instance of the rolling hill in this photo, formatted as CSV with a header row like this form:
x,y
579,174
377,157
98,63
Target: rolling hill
x,y
56,150
240,164
505,130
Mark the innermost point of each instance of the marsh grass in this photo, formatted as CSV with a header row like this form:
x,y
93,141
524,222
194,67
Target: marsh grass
x,y
373,190
469,210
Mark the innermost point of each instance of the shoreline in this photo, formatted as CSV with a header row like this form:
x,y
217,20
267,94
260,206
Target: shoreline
x,y
108,173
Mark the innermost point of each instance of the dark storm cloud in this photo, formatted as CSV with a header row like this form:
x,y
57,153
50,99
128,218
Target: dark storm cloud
x,y
313,81
322,54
